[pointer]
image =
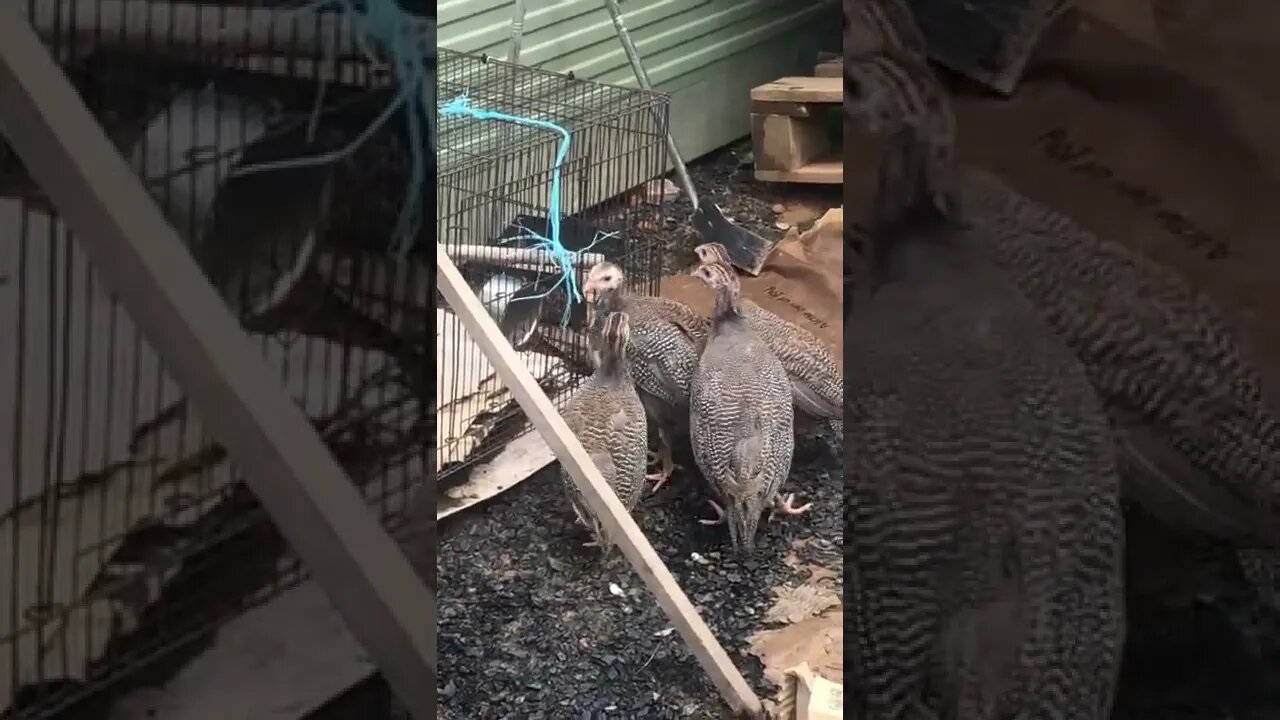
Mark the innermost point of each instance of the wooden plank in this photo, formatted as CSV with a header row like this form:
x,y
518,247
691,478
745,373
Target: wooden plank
x,y
602,501
279,661
825,172
520,460
830,68
145,262
798,110
786,143
801,90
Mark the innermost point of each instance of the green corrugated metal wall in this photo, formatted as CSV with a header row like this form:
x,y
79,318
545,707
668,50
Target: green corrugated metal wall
x,y
707,53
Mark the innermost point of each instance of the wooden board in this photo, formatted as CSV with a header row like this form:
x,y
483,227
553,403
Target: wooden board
x,y
830,68
823,172
280,661
801,90
790,134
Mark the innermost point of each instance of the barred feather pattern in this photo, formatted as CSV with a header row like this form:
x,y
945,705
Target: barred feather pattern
x,y
984,538
667,338
1152,347
741,422
817,380
608,419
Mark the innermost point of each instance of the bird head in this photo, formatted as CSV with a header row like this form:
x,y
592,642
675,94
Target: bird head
x,y
712,252
602,278
718,276
743,518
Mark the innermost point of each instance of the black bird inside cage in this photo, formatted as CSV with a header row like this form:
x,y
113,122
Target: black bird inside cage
x,y
530,305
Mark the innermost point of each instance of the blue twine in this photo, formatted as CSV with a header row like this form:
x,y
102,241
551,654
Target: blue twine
x,y
394,29
563,257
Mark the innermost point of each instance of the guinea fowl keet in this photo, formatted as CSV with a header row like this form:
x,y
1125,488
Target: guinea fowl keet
x,y
984,538
666,340
817,380
608,419
741,415
1199,446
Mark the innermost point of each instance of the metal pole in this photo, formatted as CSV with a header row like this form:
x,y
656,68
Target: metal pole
x,y
642,77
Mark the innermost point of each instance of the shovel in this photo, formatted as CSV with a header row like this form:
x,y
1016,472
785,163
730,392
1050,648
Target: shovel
x,y
747,250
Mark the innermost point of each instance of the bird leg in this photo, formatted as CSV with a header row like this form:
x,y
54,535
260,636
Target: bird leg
x,y
668,466
721,518
787,506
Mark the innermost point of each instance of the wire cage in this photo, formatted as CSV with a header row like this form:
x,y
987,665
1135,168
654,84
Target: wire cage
x,y
126,535
494,198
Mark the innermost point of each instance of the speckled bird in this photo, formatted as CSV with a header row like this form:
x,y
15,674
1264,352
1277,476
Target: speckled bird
x,y
608,418
817,380
984,537
741,415
666,339
1199,446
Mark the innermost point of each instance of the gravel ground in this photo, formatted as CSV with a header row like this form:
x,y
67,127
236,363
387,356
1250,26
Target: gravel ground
x,y
529,626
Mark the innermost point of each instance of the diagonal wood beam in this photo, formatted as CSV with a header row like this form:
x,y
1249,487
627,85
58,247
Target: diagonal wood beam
x,y
148,267
602,500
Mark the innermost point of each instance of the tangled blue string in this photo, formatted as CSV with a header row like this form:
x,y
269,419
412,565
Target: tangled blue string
x,y
396,31
565,258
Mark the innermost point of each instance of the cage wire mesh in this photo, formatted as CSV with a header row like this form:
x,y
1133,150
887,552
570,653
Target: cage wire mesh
x,y
126,535
493,194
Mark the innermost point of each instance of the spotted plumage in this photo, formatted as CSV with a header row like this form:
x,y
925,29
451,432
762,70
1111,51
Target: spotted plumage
x,y
984,538
666,339
817,380
741,413
608,419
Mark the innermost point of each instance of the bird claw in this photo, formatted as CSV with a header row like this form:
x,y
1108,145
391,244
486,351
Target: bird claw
x,y
720,515
787,506
662,477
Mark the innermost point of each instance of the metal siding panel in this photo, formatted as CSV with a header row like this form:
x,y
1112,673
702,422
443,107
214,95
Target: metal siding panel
x,y
716,46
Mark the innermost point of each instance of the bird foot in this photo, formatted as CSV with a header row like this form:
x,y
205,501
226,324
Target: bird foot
x,y
786,506
663,476
720,519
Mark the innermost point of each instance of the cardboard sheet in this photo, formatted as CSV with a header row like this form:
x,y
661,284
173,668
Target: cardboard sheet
x,y
802,281
1168,157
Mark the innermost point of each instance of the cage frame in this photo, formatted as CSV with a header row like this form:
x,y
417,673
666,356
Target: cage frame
x,y
490,172
296,478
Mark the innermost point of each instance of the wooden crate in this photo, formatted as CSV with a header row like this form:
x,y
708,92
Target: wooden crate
x,y
790,132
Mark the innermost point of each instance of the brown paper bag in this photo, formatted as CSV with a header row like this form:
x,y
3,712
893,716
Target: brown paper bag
x,y
802,281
